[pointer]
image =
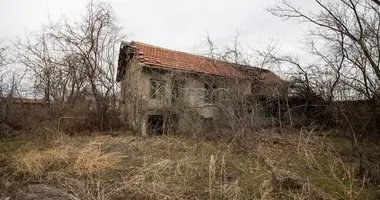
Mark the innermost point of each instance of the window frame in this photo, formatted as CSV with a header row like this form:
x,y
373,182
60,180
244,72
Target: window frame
x,y
209,96
177,90
157,88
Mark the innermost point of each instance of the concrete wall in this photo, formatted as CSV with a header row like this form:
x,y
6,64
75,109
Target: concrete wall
x,y
131,104
136,104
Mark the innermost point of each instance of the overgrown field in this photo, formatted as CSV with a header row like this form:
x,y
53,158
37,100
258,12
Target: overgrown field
x,y
265,165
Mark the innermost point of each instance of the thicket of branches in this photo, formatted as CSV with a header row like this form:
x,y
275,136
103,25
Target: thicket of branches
x,y
344,43
345,38
342,83
72,65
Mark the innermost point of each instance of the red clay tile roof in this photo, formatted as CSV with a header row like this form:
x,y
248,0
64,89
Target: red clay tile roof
x,y
166,58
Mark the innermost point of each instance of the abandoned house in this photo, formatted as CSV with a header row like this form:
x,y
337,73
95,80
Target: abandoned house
x,y
164,91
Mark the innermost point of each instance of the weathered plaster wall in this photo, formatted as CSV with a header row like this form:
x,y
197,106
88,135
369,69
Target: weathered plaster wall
x,y
137,104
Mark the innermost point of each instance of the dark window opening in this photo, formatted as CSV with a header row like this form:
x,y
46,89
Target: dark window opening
x,y
270,107
155,124
210,95
176,91
208,124
157,88
268,112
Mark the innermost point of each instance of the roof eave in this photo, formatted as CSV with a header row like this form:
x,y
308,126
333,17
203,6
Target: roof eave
x,y
188,71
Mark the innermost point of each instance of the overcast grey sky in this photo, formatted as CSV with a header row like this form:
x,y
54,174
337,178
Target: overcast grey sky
x,y
174,24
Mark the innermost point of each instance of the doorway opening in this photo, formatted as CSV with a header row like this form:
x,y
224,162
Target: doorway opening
x,y
155,124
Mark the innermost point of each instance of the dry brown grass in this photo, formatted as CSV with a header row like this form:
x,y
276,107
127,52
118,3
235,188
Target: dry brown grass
x,y
274,167
32,161
91,159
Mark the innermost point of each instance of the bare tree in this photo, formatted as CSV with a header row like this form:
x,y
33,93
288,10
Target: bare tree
x,y
345,39
3,55
94,40
3,62
10,81
5,59
347,32
74,60
37,56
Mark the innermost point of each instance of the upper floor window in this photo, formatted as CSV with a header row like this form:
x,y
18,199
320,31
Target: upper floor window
x,y
210,95
157,88
177,90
